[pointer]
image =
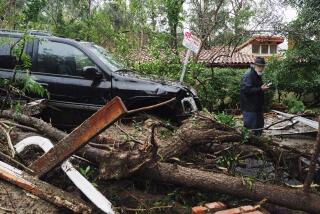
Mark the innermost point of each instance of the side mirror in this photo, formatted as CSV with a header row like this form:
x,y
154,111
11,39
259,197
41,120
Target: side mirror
x,y
92,72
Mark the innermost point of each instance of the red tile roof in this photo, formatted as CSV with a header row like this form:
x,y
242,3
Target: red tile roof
x,y
216,57
223,57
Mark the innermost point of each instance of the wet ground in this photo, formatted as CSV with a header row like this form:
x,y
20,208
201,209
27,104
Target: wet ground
x,y
296,137
288,134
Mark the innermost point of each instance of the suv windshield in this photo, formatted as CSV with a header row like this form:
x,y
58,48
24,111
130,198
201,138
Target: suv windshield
x,y
107,58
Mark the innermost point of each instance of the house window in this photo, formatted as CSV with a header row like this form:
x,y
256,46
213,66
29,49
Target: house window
x,y
256,48
273,49
264,49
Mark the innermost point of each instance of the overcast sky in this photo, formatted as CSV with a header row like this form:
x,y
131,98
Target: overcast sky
x,y
290,14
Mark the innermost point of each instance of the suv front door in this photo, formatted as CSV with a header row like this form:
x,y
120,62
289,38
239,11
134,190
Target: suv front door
x,y
59,67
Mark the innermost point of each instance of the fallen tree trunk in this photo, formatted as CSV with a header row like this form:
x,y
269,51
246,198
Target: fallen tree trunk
x,y
194,131
117,164
209,181
44,128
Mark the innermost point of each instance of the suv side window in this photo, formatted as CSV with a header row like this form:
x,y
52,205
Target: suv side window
x,y
5,45
60,58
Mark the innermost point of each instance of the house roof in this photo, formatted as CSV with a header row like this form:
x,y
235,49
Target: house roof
x,y
222,57
261,39
215,57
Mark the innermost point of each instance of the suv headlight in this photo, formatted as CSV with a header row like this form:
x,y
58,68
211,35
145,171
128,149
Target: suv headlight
x,y
189,105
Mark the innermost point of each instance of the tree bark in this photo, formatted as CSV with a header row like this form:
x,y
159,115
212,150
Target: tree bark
x,y
209,181
44,128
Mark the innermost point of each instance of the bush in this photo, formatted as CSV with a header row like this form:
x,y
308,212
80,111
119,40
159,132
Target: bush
x,y
162,70
225,119
290,75
219,88
294,105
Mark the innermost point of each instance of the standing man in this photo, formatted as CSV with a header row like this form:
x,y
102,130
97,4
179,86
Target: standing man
x,y
252,96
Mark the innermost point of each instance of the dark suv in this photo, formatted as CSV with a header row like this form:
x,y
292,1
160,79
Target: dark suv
x,y
81,77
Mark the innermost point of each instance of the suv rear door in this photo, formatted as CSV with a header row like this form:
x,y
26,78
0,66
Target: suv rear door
x,y
7,41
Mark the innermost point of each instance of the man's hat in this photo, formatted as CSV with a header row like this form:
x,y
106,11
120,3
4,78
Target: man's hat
x,y
259,61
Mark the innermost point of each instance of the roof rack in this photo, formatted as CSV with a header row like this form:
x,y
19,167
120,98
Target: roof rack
x,y
10,31
31,32
39,33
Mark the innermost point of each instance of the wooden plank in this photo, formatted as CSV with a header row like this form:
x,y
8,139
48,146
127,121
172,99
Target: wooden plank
x,y
80,136
44,190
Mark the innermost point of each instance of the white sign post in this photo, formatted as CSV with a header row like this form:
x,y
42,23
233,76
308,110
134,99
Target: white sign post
x,y
192,43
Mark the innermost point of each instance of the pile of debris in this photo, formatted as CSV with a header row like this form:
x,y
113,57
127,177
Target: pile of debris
x,y
146,148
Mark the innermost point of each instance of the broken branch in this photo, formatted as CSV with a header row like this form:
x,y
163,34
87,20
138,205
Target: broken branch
x,y
151,107
7,134
27,128
7,157
129,136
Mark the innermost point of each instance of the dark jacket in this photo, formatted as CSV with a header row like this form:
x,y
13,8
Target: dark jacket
x,y
251,95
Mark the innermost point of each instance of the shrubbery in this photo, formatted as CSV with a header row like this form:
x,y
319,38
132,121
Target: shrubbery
x,y
219,88
290,75
294,105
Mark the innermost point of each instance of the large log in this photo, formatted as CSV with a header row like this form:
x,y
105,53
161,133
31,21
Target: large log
x,y
44,128
195,131
117,164
209,181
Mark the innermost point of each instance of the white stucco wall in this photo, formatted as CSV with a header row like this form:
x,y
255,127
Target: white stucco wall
x,y
248,50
